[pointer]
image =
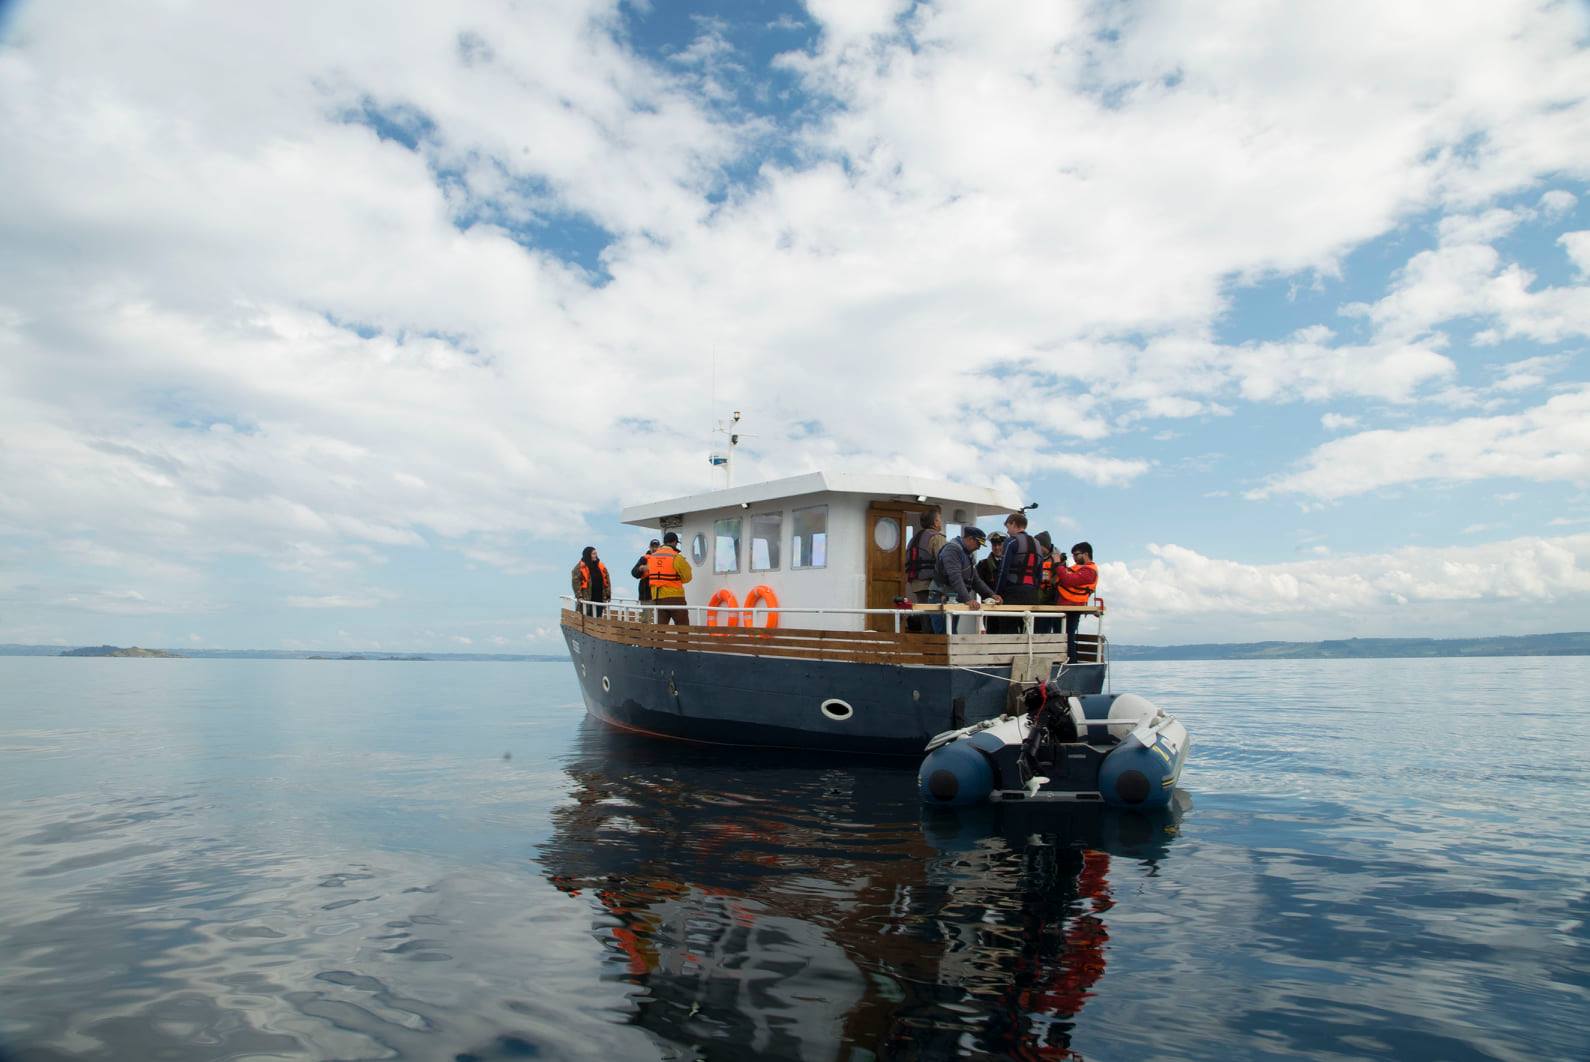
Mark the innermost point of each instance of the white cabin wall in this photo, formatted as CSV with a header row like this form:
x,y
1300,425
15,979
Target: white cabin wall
x,y
841,584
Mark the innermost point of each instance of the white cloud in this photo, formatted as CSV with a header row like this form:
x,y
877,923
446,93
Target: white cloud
x,y
1549,443
1530,373
1337,421
849,22
1100,471
1577,244
126,602
1382,590
1557,202
1465,277
337,601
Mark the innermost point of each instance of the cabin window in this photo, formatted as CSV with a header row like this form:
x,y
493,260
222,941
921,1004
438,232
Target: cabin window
x,y
767,531
698,548
809,538
726,545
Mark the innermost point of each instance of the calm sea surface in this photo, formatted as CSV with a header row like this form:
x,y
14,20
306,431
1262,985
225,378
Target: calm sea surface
x,y
208,859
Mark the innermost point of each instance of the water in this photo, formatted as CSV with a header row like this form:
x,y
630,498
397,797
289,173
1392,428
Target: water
x,y
208,859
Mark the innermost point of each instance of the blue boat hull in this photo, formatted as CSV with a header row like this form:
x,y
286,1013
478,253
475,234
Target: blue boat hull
x,y
738,699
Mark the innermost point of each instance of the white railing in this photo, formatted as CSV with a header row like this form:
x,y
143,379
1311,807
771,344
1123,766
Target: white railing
x,y
637,609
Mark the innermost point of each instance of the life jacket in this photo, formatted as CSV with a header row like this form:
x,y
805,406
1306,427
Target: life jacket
x,y
660,572
919,561
585,581
1022,566
1078,595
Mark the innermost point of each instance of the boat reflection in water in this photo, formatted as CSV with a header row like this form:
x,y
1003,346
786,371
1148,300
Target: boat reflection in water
x,y
802,906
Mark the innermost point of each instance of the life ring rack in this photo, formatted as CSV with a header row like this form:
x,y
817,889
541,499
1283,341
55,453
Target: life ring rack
x,y
724,599
763,595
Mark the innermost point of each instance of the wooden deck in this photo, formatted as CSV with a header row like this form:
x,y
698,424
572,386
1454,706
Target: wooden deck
x,y
860,647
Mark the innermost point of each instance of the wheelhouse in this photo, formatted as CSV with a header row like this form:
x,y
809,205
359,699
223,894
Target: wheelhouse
x,y
832,542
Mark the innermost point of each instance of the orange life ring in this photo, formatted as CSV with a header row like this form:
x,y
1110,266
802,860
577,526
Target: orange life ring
x,y
761,595
725,600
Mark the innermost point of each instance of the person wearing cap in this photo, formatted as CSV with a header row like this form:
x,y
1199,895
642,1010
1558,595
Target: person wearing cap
x,y
638,571
955,574
988,567
667,571
591,582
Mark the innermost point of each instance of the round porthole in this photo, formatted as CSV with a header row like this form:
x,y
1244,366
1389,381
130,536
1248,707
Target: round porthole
x,y
698,548
886,534
607,687
837,710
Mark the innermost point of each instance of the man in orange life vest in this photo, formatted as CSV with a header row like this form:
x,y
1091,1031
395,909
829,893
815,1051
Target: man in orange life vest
x,y
591,581
1075,585
667,571
1020,573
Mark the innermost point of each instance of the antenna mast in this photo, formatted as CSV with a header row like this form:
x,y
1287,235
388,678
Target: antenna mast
x,y
722,459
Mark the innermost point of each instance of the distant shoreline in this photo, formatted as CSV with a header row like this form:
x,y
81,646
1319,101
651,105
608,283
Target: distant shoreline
x,y
1575,643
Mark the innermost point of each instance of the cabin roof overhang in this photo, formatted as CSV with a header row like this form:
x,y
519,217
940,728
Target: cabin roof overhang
x,y
936,491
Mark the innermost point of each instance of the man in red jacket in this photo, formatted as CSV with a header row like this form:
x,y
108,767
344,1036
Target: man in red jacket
x,y
1075,585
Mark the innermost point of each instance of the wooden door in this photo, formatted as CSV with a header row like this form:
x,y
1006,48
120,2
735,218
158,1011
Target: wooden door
x,y
887,535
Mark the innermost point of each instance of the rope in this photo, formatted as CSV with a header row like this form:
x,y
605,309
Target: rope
x,y
973,670
1002,678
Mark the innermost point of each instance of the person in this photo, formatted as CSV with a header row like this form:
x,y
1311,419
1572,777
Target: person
x,y
591,581
1047,594
988,567
638,571
1020,573
667,571
1075,585
955,575
920,557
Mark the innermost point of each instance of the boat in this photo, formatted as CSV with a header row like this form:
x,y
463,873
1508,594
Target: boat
x,y
800,632
1118,749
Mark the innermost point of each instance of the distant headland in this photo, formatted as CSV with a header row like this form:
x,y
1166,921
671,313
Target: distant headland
x,y
111,650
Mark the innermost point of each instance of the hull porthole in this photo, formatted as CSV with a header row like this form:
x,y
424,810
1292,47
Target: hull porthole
x,y
607,687
837,710
582,670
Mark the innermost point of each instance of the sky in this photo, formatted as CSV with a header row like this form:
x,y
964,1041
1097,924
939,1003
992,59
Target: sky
x,y
348,325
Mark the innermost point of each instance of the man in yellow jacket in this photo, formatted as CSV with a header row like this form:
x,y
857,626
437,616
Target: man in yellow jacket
x,y
667,571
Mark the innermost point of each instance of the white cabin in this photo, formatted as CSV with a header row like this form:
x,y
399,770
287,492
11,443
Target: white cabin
x,y
824,540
